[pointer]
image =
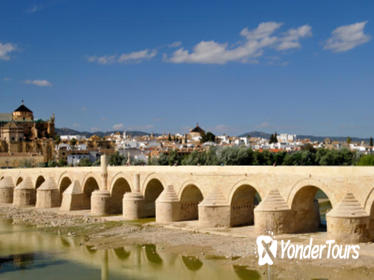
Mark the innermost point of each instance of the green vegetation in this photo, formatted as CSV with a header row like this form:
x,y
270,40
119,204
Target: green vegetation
x,y
245,156
366,160
85,162
116,159
208,137
273,138
73,142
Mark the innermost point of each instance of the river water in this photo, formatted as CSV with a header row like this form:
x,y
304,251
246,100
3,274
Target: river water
x,y
27,253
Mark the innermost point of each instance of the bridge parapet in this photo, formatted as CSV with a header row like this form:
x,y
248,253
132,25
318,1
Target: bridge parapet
x,y
215,195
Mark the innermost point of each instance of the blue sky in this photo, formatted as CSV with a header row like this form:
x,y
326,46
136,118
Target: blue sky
x,y
303,67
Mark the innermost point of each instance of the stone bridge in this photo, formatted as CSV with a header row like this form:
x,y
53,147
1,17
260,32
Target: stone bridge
x,y
280,199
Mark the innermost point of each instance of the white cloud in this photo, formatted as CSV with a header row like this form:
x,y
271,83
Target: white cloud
x,y
141,127
102,59
292,37
118,126
5,50
347,37
256,40
264,125
39,83
137,56
175,44
133,57
34,9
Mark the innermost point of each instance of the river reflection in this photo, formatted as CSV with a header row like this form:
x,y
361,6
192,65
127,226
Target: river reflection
x,y
26,253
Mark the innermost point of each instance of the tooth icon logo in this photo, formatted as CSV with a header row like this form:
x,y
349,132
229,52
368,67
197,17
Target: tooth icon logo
x,y
267,249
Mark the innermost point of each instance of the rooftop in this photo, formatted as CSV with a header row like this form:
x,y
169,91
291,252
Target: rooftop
x,y
197,129
23,108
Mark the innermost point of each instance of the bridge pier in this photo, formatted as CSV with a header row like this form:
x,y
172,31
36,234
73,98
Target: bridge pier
x,y
100,203
132,205
6,190
348,222
24,194
214,211
133,202
167,206
273,215
72,198
48,195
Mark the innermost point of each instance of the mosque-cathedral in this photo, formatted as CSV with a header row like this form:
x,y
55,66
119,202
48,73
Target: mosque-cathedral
x,y
23,137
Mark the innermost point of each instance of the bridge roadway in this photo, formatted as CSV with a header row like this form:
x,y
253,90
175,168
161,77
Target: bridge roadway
x,y
277,199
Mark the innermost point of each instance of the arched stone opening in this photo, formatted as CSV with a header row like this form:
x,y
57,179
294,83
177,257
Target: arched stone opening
x,y
121,253
40,180
371,223
65,183
243,202
189,201
244,273
120,187
152,256
192,263
19,181
90,186
310,206
153,189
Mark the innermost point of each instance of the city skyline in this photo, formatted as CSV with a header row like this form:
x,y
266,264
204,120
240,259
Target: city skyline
x,y
160,67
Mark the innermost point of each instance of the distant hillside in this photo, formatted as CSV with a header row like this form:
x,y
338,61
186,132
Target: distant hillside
x,y
311,137
69,131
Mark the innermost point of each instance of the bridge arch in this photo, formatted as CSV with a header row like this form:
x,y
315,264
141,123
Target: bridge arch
x,y
152,189
19,180
90,185
190,196
244,197
369,208
121,253
305,202
192,263
39,181
64,183
120,185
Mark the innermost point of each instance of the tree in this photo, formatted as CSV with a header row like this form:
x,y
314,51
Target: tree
x,y
366,160
84,162
371,142
169,138
208,137
57,139
117,159
62,162
308,147
73,142
51,163
349,140
273,138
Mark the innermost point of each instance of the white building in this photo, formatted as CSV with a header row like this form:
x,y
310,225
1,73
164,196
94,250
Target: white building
x,y
285,137
70,137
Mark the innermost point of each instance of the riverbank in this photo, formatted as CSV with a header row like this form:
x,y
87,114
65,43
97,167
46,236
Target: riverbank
x,y
235,246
